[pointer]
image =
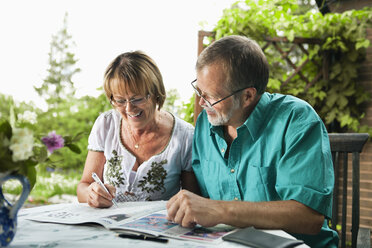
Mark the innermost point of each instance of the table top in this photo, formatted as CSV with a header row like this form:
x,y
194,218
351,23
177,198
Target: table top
x,y
35,234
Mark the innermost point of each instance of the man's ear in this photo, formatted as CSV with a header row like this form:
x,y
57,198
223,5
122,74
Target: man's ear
x,y
249,97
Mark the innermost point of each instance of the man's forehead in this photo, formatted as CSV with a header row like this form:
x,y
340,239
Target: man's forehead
x,y
211,79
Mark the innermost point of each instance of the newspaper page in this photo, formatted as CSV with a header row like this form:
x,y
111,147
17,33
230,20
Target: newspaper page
x,y
156,224
132,218
108,217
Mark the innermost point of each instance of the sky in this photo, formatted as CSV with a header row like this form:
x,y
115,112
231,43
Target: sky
x,y
167,30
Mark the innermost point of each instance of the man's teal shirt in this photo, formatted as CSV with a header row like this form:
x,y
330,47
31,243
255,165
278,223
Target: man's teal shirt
x,y
282,152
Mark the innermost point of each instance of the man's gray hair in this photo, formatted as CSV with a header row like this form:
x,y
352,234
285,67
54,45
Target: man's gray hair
x,y
242,60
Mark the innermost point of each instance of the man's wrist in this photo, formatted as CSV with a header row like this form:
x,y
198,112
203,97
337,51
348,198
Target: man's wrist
x,y
227,212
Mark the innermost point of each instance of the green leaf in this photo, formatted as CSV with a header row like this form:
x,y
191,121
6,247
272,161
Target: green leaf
x,y
274,84
362,43
342,101
6,129
78,136
7,165
31,175
332,98
291,35
74,148
336,69
67,139
12,117
353,55
330,116
42,154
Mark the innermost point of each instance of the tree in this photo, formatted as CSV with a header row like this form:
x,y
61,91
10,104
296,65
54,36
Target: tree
x,y
58,84
58,90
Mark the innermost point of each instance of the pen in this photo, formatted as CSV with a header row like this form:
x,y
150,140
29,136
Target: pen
x,y
142,237
96,178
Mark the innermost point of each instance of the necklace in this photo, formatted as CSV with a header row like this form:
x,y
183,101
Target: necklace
x,y
138,144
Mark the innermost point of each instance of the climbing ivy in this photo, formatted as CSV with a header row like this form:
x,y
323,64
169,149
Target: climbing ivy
x,y
339,101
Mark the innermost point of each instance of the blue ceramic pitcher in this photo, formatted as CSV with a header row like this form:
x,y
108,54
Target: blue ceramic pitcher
x,y
8,212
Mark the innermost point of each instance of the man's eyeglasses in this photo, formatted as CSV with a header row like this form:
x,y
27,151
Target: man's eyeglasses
x,y
123,102
210,105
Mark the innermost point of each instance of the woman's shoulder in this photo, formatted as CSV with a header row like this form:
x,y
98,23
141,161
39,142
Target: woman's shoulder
x,y
108,116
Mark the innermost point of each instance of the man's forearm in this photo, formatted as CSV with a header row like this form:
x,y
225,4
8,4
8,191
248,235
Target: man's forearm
x,y
290,216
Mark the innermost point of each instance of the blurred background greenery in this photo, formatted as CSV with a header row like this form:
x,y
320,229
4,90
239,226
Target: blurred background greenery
x,y
339,101
67,114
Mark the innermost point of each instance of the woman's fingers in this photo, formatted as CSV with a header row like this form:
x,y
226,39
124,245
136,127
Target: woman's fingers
x,y
98,197
111,189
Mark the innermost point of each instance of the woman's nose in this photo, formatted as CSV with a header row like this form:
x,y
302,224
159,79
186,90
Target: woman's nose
x,y
129,106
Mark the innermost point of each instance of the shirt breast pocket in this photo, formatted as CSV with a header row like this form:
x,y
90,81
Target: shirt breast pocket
x,y
258,183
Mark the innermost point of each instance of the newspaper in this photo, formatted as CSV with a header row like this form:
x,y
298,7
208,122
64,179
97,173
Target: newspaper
x,y
132,217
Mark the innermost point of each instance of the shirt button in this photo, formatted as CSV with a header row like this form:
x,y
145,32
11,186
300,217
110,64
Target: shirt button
x,y
232,170
236,198
223,150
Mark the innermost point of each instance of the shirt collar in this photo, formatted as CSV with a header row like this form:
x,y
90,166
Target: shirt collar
x,y
215,129
255,120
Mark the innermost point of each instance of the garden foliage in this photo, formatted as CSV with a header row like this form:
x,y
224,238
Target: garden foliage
x,y
340,100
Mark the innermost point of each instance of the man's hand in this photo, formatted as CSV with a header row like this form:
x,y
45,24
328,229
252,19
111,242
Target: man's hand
x,y
98,197
188,209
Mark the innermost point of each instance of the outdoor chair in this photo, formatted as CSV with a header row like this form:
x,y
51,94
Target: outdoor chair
x,y
343,144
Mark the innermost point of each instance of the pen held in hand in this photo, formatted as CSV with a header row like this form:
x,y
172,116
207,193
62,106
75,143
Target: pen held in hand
x,y
96,178
142,237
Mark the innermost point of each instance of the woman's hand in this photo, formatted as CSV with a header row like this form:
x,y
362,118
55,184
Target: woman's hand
x,y
98,197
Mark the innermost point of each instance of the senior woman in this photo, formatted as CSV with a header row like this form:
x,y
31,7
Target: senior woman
x,y
138,150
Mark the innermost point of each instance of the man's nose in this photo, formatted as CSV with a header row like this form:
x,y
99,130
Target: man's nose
x,y
202,101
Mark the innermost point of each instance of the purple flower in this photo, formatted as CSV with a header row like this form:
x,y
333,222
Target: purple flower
x,y
53,141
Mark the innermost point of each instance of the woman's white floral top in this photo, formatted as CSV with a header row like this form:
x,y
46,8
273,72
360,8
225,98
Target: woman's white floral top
x,y
157,178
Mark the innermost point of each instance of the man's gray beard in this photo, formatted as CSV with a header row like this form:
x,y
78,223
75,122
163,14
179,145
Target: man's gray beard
x,y
221,120
218,120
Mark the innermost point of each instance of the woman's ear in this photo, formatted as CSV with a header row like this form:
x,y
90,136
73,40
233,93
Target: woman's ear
x,y
249,97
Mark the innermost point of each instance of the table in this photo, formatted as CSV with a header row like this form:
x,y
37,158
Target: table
x,y
34,234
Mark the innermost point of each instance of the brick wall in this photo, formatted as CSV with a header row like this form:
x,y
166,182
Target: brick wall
x,y
365,79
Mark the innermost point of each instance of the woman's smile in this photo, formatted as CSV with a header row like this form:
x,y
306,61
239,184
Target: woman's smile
x,y
135,115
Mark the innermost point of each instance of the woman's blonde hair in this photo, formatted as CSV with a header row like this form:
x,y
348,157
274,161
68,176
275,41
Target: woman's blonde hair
x,y
135,72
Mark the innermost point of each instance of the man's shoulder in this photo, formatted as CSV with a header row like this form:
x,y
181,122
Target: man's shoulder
x,y
287,100
291,105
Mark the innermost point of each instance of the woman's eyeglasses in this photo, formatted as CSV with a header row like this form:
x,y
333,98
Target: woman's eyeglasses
x,y
134,101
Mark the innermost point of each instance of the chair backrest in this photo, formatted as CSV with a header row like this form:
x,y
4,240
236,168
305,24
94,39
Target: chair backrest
x,y
343,144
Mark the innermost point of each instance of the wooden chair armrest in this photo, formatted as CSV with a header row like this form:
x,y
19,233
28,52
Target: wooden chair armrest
x,y
364,238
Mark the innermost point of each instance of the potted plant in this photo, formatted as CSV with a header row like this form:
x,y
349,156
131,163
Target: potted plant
x,y
21,149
